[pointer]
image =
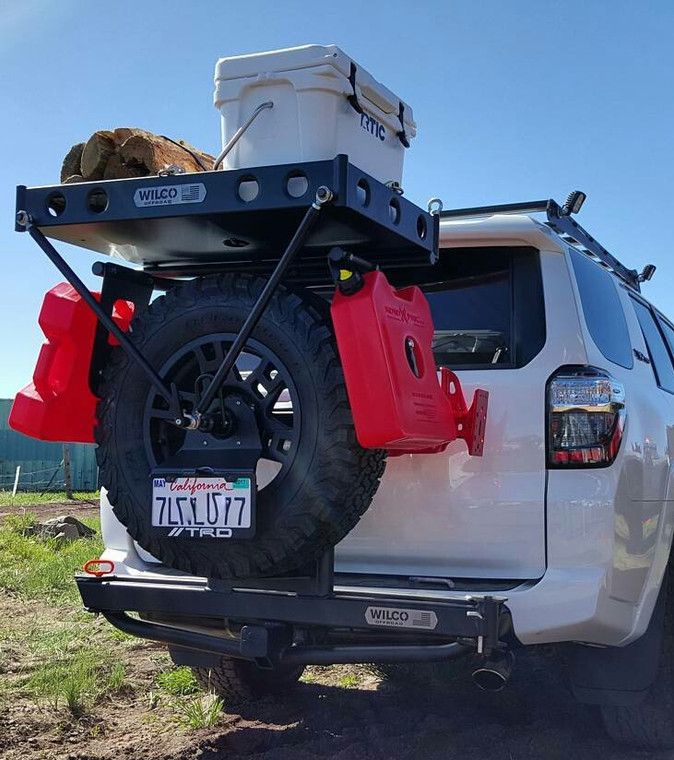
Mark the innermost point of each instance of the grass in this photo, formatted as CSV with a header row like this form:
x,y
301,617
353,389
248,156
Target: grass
x,y
29,498
77,679
198,712
178,681
38,568
348,681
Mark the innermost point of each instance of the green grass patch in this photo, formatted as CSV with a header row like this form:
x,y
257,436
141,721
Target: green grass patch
x,y
37,568
349,681
198,712
28,498
76,679
73,665
178,681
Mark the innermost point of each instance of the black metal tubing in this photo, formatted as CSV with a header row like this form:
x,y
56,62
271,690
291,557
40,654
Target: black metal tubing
x,y
353,654
59,262
527,207
294,655
562,223
256,312
175,636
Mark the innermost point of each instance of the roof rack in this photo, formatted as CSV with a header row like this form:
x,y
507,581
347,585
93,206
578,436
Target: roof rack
x,y
559,219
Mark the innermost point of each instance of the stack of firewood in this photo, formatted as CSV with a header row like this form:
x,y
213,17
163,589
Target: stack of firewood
x,y
128,152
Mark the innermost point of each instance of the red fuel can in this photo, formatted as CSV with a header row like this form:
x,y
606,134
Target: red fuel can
x,y
59,405
384,338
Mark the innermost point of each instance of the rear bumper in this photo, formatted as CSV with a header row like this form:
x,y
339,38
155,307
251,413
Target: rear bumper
x,y
278,626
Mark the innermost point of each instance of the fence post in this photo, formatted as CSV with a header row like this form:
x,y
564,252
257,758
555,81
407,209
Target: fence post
x,y
16,480
66,470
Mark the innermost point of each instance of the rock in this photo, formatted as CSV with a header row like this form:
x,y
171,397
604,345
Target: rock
x,y
68,532
63,528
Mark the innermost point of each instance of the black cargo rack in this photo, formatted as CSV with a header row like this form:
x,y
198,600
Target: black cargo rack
x,y
236,220
558,219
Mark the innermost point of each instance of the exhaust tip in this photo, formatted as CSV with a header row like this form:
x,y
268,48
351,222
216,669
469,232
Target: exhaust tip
x,y
494,673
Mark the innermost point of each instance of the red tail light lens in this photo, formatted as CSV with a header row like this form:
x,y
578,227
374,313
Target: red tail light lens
x,y
586,417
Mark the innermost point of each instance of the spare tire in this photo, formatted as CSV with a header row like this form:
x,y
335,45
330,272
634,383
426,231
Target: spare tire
x,y
314,479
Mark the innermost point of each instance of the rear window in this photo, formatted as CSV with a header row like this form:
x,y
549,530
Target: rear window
x,y
488,310
603,310
660,357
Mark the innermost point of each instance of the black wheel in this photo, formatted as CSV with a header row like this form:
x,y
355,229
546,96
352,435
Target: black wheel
x,y
314,480
649,723
239,681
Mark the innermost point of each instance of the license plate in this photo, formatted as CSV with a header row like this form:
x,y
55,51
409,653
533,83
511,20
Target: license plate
x,y
203,507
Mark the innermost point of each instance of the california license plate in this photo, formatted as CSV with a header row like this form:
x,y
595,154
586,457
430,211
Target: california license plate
x,y
220,506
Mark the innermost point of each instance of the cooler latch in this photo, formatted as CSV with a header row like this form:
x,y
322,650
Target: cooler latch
x,y
353,98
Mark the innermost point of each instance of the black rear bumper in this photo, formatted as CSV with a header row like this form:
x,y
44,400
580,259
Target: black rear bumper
x,y
278,626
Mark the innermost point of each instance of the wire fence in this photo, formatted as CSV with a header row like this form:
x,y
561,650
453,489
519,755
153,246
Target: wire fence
x,y
41,479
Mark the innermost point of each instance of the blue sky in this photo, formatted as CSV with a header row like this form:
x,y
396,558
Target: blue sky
x,y
514,100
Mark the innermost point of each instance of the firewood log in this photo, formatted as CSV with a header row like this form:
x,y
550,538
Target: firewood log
x,y
117,169
100,146
156,153
71,163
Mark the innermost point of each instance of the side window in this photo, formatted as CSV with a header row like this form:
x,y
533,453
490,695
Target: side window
x,y
660,358
487,306
603,310
473,320
668,332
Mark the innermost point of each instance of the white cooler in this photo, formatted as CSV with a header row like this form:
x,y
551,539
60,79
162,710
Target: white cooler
x,y
324,104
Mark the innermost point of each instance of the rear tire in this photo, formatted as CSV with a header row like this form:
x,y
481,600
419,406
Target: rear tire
x,y
241,681
327,479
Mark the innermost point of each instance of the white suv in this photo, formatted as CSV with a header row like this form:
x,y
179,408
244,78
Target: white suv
x,y
561,530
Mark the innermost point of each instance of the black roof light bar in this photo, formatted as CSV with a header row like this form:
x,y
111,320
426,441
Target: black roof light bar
x,y
559,219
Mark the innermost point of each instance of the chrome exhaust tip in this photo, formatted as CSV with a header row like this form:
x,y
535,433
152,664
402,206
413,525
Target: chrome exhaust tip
x,y
494,673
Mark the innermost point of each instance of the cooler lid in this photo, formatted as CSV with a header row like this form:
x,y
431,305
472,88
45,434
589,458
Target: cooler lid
x,y
308,56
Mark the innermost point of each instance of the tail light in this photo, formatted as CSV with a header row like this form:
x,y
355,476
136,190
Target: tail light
x,y
586,417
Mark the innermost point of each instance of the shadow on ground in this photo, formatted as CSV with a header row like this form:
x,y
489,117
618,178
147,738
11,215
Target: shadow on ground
x,y
439,715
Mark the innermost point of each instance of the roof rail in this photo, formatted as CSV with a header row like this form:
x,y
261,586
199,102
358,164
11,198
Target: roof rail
x,y
559,219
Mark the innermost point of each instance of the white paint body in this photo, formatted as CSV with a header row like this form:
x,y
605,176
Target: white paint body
x,y
566,539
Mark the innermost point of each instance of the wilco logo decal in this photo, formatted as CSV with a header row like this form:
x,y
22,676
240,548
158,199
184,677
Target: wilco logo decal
x,y
402,315
169,195
371,125
395,617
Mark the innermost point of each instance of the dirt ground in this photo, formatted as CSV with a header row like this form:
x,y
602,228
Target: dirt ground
x,y
77,508
341,712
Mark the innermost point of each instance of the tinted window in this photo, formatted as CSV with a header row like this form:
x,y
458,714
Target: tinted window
x,y
603,311
473,319
660,359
